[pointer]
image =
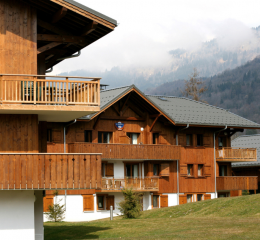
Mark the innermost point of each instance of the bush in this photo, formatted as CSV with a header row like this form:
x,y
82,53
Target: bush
x,y
131,206
56,211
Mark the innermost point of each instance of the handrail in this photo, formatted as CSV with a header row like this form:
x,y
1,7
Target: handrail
x,y
236,153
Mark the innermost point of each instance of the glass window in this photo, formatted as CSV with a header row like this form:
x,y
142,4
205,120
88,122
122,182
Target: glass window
x,y
188,139
133,137
189,169
199,140
156,169
200,167
104,137
132,170
155,138
100,202
222,170
221,142
49,135
199,197
189,198
155,201
88,136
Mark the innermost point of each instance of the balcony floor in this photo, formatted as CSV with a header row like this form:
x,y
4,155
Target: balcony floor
x,y
49,113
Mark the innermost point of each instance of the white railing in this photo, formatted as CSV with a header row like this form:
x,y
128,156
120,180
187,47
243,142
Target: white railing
x,y
34,89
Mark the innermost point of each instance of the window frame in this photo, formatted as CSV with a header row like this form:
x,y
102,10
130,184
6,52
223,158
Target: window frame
x,y
158,201
129,134
155,138
191,195
190,136
157,165
102,136
88,134
131,163
202,170
199,140
190,171
202,197
104,207
49,135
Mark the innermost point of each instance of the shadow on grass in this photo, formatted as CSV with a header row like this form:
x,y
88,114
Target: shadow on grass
x,y
63,232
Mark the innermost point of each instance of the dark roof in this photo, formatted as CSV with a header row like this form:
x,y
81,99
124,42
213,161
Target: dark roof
x,y
181,110
247,141
98,14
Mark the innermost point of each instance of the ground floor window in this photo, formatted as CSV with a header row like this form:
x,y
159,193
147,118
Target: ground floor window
x,y
100,202
155,201
199,197
189,198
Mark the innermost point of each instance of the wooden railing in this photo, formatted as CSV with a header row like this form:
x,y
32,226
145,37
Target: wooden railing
x,y
128,151
35,89
50,171
137,184
236,154
237,183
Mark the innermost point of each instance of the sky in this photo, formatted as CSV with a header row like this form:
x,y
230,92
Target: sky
x,y
148,30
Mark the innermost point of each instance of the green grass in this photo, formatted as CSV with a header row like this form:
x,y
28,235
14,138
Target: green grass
x,y
226,218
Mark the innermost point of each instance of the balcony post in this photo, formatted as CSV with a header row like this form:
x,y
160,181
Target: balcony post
x,y
1,89
67,91
98,92
34,90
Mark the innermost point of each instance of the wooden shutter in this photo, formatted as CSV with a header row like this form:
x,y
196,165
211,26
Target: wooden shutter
x,y
182,139
110,170
88,202
165,169
206,140
56,135
183,170
47,201
164,201
207,171
110,202
80,137
207,196
182,199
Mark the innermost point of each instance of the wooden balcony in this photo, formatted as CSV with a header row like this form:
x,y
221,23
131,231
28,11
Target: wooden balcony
x,y
137,184
237,183
50,171
57,98
128,151
236,154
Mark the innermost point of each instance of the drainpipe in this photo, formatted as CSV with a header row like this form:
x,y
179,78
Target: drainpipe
x,y
64,140
215,160
178,194
72,56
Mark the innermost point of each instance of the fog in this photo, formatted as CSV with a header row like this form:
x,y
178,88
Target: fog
x,y
148,30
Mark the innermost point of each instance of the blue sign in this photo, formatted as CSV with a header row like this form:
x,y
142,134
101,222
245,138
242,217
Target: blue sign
x,y
119,126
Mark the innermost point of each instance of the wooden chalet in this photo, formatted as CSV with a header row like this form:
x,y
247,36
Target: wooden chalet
x,y
35,35
172,149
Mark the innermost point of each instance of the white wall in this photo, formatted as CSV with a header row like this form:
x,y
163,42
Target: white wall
x,y
119,169
38,215
74,209
17,215
172,199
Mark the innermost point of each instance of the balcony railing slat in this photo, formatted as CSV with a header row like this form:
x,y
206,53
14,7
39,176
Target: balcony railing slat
x,y
236,154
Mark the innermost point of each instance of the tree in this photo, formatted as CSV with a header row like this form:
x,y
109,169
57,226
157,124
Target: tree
x,y
194,87
131,206
56,211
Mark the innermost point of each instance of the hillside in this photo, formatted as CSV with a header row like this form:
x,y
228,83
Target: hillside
x,y
237,90
223,218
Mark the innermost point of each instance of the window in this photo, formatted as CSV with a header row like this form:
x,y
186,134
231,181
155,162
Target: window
x,y
222,170
156,169
200,168
155,138
220,142
190,169
131,170
88,136
199,197
104,137
199,140
189,198
188,139
100,202
133,137
155,201
49,135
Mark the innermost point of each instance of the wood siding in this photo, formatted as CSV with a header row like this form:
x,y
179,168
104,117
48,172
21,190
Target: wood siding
x,y
50,171
19,133
237,183
127,151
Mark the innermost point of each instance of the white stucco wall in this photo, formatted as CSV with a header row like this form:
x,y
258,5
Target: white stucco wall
x,y
119,169
38,215
17,215
172,199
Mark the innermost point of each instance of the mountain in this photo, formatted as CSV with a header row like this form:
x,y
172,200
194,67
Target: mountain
x,y
237,90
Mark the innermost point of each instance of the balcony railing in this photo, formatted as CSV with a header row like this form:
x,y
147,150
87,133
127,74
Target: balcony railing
x,y
236,154
35,89
128,151
50,171
237,183
137,184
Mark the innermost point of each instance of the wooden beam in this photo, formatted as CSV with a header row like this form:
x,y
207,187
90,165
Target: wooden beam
x,y
116,110
89,28
52,28
48,47
121,111
122,118
96,123
61,38
135,109
155,120
61,13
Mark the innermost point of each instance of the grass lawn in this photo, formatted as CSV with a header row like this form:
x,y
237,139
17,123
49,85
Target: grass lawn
x,y
226,218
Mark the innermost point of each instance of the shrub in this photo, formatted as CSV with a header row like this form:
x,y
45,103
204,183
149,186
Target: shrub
x,y
56,211
131,206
